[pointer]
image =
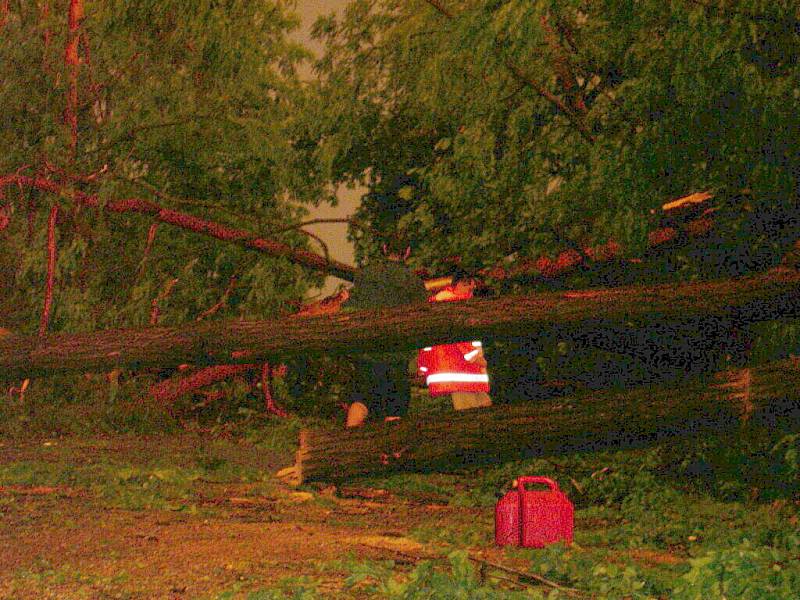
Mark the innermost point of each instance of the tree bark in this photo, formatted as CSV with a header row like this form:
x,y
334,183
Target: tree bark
x,y
266,387
743,300
578,423
72,61
44,15
151,237
3,13
174,387
163,295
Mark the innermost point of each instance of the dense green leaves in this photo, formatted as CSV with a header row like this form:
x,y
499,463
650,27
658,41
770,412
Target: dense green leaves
x,y
178,102
486,112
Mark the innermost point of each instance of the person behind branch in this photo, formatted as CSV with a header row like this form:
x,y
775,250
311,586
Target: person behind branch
x,y
381,386
458,369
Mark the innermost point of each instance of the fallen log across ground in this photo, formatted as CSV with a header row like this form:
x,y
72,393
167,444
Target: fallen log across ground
x,y
578,423
748,299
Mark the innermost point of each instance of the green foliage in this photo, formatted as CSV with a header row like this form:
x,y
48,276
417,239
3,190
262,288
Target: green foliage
x,y
646,526
125,486
280,436
128,483
470,157
590,572
743,572
459,582
290,588
644,516
469,533
181,102
43,576
788,451
70,405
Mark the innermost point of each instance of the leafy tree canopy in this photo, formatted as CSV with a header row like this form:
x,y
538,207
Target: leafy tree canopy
x,y
181,102
490,129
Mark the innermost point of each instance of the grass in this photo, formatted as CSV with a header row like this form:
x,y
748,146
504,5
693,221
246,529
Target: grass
x,y
42,577
647,525
707,518
134,483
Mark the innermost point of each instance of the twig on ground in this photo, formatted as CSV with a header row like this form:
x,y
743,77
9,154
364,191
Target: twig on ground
x,y
484,565
530,576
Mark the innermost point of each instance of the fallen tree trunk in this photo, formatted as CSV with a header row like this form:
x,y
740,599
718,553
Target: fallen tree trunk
x,y
767,296
577,423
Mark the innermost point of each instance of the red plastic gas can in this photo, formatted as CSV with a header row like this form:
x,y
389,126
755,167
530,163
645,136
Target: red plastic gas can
x,y
531,518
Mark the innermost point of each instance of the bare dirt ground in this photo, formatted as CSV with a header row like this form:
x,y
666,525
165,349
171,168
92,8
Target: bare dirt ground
x,y
79,540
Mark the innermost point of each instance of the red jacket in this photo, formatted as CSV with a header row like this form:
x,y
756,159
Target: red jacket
x,y
452,368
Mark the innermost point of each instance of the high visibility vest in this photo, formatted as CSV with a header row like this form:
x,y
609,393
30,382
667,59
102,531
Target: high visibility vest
x,y
449,368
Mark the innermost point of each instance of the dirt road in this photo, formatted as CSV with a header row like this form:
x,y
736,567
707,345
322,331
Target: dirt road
x,y
159,518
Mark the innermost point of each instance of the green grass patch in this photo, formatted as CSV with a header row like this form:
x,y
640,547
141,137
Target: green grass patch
x,y
682,519
42,577
170,481
289,588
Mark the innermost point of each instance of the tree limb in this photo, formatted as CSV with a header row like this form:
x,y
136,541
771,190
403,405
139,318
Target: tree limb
x,y
170,389
441,8
530,577
563,67
189,222
44,14
266,387
520,75
155,304
151,237
72,62
5,217
222,301
3,13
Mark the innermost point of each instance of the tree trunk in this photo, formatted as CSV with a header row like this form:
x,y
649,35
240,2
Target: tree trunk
x,y
73,63
577,423
767,296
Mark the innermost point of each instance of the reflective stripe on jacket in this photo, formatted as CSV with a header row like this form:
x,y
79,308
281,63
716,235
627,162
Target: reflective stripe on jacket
x,y
455,367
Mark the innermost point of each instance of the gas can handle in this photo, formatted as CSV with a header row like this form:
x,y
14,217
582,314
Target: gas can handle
x,y
521,481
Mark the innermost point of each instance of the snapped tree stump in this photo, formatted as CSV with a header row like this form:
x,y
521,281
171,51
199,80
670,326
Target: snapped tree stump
x,y
577,423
